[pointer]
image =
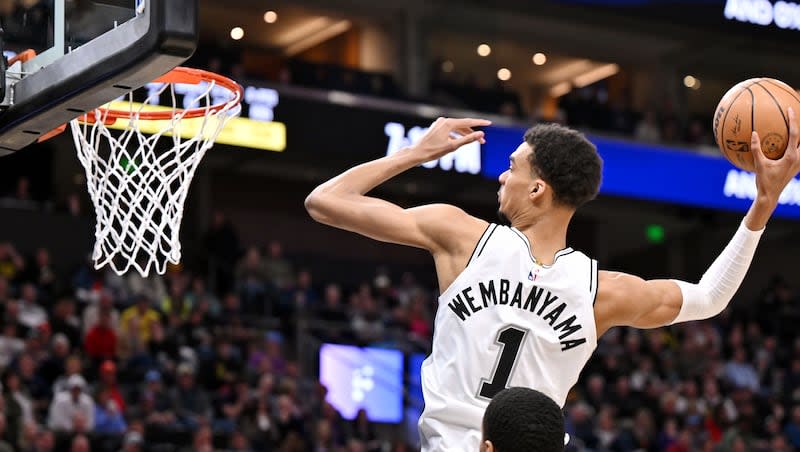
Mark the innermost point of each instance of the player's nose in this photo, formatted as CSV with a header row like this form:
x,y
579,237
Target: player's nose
x,y
502,177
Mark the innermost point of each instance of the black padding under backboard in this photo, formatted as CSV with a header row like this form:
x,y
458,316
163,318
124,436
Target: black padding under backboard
x,y
127,57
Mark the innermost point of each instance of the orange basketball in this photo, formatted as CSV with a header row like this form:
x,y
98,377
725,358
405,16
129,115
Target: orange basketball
x,y
761,104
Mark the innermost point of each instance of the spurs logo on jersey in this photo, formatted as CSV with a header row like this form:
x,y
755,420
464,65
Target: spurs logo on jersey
x,y
505,321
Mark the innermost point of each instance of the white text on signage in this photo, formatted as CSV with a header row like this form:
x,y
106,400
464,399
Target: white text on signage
x,y
742,185
762,12
466,159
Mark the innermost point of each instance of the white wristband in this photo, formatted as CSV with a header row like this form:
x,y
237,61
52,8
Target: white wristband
x,y
720,282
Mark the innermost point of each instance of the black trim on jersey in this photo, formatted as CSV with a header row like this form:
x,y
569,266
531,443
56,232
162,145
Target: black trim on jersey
x,y
568,252
487,239
559,253
594,280
478,244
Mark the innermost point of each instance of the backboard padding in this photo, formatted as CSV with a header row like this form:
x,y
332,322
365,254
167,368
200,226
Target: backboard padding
x,y
124,58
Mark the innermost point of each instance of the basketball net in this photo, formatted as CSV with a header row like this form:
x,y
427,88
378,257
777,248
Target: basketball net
x,y
138,181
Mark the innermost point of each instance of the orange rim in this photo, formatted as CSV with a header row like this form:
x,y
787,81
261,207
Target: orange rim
x,y
178,75
27,55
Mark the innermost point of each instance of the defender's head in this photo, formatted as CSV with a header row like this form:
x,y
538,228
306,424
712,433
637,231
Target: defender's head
x,y
554,168
522,420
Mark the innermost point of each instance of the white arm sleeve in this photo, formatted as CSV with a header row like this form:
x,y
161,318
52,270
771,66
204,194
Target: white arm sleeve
x,y
720,282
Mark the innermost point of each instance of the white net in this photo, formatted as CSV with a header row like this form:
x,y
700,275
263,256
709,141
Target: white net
x,y
138,179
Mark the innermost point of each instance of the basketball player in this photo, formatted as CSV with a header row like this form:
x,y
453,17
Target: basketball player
x,y
517,306
522,420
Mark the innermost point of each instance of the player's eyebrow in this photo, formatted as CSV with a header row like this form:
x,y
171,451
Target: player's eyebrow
x,y
511,159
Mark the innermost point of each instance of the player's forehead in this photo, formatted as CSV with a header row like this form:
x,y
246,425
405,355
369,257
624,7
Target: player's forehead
x,y
520,155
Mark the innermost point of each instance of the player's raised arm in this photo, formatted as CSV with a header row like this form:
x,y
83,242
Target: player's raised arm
x,y
341,201
628,300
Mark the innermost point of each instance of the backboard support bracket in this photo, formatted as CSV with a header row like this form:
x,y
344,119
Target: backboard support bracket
x,y
124,58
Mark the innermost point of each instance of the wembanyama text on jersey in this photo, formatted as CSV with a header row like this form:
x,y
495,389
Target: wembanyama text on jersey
x,y
505,321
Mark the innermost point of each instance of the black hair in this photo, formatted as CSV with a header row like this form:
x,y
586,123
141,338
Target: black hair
x,y
524,420
567,161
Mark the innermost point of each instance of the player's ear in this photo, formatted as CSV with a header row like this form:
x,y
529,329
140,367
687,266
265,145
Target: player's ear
x,y
487,446
537,188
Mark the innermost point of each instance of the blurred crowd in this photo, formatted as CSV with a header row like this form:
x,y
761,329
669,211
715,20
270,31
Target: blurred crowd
x,y
728,384
94,361
208,360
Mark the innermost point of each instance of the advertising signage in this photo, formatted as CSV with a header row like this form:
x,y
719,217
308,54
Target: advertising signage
x,y
655,173
632,170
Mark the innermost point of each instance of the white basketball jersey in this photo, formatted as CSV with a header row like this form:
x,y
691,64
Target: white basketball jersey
x,y
505,321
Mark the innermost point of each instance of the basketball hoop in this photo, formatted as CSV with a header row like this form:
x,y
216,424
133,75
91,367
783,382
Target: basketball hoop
x,y
138,188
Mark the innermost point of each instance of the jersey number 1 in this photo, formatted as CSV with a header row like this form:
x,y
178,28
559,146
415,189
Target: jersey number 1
x,y
510,338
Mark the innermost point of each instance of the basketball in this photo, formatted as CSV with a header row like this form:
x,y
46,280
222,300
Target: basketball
x,y
758,103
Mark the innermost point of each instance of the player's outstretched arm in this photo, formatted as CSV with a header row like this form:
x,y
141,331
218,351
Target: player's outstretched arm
x,y
341,201
624,299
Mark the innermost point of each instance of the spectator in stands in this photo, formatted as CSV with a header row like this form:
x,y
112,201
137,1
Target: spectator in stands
x,y
108,380
189,403
331,308
152,287
252,280
367,322
606,429
10,343
419,319
274,343
230,402
44,441
72,366
323,437
71,407
177,302
239,443
14,416
203,441
65,321
15,385
155,404
108,417
54,364
133,442
42,274
11,316
30,313
101,340
302,295
740,373
792,429
201,296
288,420
224,367
5,292
11,263
364,431
258,425
137,322
278,268
80,443
4,446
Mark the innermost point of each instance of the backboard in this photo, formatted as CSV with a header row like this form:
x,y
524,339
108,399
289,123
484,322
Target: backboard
x,y
88,53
